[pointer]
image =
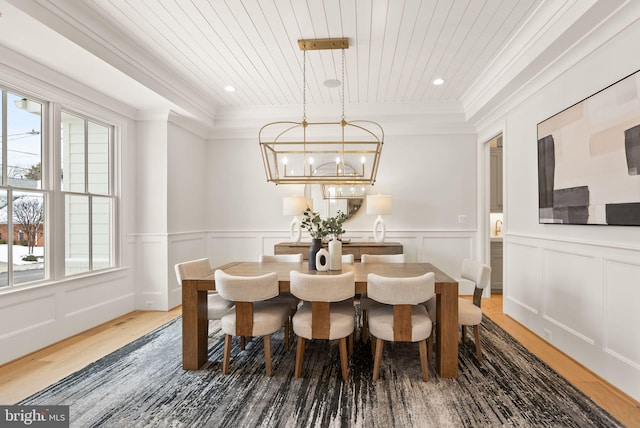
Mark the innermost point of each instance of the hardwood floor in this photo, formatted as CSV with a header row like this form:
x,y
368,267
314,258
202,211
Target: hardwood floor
x,y
29,374
618,404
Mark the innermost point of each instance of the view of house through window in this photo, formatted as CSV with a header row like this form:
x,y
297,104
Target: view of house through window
x,y
86,184
22,201
84,189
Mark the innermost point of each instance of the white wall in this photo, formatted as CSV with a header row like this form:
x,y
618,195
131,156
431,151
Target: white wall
x,y
430,174
576,286
32,317
187,192
170,212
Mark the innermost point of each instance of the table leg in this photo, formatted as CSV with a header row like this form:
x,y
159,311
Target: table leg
x,y
447,331
194,326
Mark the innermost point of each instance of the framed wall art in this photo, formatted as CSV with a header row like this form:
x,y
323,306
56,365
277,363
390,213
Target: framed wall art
x,y
589,159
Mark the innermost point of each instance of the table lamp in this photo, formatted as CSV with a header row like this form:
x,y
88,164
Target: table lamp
x,y
379,205
295,206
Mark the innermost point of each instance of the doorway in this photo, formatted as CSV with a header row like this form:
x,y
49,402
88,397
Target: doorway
x,y
496,215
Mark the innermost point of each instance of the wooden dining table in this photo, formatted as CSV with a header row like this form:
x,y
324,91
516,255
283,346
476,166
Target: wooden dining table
x,y
194,304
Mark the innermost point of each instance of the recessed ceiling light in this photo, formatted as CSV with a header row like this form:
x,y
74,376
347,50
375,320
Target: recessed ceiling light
x,y
332,83
439,81
229,88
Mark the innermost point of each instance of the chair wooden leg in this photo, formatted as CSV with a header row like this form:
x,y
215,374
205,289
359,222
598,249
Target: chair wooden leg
x,y
343,358
476,333
365,326
291,333
287,326
243,342
267,354
377,359
227,353
422,345
464,334
299,356
373,345
430,346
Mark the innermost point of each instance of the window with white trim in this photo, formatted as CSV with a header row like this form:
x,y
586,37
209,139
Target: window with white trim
x,y
40,169
86,183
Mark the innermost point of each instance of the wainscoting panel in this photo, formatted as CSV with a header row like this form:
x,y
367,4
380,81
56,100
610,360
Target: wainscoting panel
x,y
225,247
524,291
33,318
621,312
269,242
81,298
447,252
586,296
568,279
182,247
27,314
151,273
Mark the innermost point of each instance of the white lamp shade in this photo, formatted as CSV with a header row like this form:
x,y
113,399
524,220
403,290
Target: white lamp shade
x,y
379,204
294,205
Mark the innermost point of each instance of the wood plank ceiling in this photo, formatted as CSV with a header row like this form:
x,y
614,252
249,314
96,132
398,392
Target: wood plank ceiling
x,y
397,47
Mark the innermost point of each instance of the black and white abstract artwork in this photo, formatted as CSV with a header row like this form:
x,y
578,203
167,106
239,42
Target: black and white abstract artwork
x,y
589,159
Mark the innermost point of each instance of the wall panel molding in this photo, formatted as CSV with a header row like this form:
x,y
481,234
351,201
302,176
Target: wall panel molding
x,y
589,294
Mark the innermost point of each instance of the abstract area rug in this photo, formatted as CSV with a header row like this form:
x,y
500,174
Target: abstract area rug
x,y
143,385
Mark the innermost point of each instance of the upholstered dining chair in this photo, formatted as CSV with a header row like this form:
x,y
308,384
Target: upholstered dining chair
x,y
348,258
365,302
326,313
288,298
469,312
254,313
216,305
283,258
400,316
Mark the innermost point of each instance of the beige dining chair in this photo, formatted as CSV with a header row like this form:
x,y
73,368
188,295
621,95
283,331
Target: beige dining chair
x,y
216,305
397,315
469,311
365,302
254,314
288,298
347,258
326,312
284,258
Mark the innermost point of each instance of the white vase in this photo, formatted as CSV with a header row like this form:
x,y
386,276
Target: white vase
x,y
335,254
322,260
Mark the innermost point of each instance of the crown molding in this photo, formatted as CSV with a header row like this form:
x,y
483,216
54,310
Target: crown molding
x,y
601,29
76,22
41,82
552,30
395,119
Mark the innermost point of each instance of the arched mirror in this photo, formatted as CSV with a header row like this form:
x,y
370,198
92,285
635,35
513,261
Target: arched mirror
x,y
328,199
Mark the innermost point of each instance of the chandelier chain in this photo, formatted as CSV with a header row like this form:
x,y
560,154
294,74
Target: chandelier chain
x,y
304,86
343,83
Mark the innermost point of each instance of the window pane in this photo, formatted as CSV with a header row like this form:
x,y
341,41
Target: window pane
x,y
76,257
98,159
73,162
28,237
101,231
24,142
4,245
1,144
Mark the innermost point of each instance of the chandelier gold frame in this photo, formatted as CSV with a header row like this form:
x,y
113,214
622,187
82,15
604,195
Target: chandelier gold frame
x,y
291,149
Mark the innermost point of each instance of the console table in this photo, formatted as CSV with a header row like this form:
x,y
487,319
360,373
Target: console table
x,y
355,248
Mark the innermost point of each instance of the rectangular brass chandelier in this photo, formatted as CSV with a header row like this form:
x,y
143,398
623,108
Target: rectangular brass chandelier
x,y
340,152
